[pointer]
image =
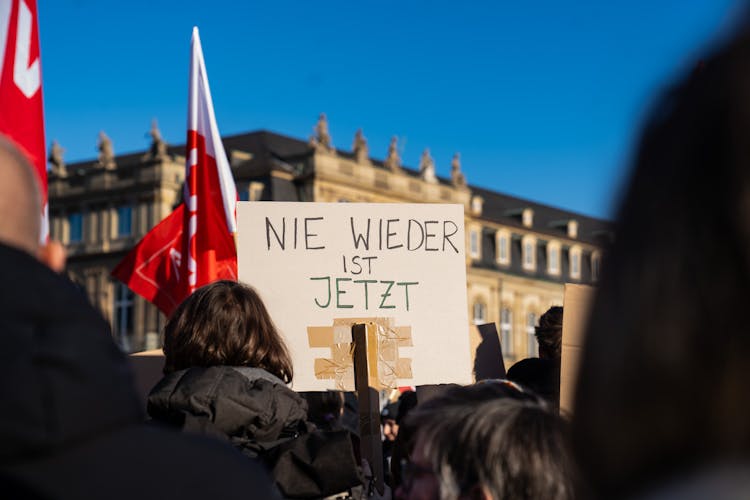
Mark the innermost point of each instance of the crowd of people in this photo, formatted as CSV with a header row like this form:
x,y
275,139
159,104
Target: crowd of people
x,y
661,408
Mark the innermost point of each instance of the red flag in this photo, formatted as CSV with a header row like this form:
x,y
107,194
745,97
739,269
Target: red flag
x,y
21,113
194,245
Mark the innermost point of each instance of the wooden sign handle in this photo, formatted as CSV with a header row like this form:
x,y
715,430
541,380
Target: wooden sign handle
x,y
369,406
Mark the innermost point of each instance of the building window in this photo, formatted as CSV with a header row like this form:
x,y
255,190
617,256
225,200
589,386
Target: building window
x,y
506,331
527,217
75,226
256,191
530,334
476,205
529,253
124,221
123,317
553,258
480,313
596,264
502,242
572,229
575,262
474,244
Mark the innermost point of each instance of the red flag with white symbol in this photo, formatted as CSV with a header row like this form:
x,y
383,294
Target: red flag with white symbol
x,y
194,245
21,111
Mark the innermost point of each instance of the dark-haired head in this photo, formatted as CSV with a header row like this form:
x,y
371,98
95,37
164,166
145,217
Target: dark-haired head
x,y
452,395
549,333
663,380
502,447
225,323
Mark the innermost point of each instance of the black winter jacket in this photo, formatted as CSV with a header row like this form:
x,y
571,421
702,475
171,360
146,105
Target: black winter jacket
x,y
260,416
70,420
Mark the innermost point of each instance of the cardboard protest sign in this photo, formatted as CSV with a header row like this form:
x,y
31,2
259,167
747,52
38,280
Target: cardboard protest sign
x,y
322,267
576,304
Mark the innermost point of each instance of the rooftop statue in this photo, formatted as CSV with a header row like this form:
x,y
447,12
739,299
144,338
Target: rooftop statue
x,y
106,152
158,148
57,161
427,166
393,160
322,138
360,149
457,177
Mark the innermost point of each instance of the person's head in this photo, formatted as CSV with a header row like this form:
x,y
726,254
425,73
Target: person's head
x,y
225,323
407,401
324,409
662,385
452,395
492,449
549,333
21,208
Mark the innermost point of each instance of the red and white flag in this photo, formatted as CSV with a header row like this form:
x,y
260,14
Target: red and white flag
x,y
194,245
21,111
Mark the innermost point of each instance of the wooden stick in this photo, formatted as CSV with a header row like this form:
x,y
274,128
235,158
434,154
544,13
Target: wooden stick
x,y
369,406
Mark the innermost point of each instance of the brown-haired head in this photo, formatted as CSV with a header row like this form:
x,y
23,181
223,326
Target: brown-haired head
x,y
225,323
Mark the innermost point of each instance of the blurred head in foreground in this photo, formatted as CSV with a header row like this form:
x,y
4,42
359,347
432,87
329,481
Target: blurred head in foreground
x,y
662,389
21,208
225,324
486,441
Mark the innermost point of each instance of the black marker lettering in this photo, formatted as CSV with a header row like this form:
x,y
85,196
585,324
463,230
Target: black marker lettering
x,y
408,235
355,262
357,237
369,263
446,236
389,234
268,233
308,234
428,235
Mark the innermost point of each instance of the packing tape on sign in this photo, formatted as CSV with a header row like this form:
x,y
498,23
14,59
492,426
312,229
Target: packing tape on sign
x,y
385,368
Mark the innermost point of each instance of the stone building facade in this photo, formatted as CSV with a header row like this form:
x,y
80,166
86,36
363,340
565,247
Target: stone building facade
x,y
518,253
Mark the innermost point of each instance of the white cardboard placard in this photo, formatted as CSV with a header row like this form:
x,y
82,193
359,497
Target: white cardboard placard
x,y
316,262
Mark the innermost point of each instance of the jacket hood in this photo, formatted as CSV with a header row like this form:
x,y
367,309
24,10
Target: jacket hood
x,y
62,378
249,406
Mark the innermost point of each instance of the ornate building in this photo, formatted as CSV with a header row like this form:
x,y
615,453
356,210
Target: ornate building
x,y
518,253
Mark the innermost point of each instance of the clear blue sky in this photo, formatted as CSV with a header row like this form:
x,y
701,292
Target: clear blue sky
x,y
542,98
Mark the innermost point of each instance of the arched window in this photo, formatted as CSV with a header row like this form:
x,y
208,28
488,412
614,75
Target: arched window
x,y
480,312
533,346
575,262
506,331
123,317
502,244
553,258
528,248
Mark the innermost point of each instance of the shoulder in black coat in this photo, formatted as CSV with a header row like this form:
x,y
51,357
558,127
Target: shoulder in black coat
x,y
70,420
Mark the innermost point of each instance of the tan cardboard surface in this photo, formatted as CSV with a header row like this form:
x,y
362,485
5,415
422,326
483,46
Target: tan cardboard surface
x,y
576,304
313,263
